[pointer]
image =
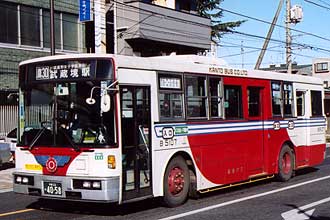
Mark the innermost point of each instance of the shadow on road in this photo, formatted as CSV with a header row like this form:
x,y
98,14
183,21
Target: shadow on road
x,y
5,166
100,209
305,214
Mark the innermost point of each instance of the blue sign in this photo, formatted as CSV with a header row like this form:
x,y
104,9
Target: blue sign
x,y
85,10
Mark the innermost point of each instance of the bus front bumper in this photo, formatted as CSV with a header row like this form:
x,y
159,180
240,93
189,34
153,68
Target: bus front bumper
x,y
68,187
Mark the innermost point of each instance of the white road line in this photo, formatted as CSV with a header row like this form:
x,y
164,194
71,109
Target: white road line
x,y
243,199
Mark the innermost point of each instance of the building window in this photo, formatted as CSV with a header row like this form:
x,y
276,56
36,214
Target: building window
x,y
46,29
321,67
216,97
233,102
70,32
30,26
316,103
8,23
196,96
25,25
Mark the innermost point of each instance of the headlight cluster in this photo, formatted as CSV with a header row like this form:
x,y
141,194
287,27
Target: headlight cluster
x,y
26,180
87,184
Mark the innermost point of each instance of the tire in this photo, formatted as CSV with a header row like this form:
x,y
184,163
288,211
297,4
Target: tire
x,y
285,164
176,182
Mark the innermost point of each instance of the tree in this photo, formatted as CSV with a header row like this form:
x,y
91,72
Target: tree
x,y
211,9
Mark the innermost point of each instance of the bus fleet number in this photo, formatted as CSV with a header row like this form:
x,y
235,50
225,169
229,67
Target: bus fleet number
x,y
168,142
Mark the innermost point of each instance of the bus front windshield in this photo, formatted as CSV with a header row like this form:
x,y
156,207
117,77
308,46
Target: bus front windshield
x,y
57,114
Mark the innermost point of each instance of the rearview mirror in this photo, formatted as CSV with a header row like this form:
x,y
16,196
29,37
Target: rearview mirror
x,y
105,103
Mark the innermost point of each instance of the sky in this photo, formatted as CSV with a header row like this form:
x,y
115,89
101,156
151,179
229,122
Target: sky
x,y
242,51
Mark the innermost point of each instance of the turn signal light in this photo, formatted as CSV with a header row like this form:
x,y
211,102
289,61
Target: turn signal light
x,y
111,162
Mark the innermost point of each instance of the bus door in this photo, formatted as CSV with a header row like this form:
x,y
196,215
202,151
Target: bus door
x,y
255,160
298,133
136,140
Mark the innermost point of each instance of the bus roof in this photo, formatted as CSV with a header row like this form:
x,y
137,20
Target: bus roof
x,y
183,63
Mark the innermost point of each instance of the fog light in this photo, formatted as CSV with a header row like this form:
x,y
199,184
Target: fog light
x,y
18,179
25,180
87,184
97,185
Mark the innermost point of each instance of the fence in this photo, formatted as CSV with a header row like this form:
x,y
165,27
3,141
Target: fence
x,y
8,118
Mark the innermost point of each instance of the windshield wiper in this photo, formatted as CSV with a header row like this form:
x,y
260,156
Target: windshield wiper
x,y
36,138
74,146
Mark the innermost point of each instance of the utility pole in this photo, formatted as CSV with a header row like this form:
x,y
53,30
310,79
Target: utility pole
x,y
99,26
288,37
52,29
270,32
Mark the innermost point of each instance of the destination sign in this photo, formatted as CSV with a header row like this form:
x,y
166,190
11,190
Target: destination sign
x,y
63,71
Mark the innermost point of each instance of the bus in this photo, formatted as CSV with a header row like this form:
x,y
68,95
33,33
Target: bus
x,y
112,128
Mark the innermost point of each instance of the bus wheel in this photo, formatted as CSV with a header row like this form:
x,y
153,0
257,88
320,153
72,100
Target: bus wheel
x,y
285,164
176,182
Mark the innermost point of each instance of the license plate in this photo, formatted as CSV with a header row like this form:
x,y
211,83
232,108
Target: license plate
x,y
51,188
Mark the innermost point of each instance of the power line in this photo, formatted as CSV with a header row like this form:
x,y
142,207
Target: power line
x,y
281,26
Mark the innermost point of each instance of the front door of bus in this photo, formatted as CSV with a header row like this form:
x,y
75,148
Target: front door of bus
x,y
255,156
136,139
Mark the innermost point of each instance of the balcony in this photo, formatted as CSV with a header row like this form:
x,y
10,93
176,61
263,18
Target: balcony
x,y
139,23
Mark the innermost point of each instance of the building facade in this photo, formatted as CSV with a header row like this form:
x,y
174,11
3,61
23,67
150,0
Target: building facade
x,y
154,28
25,34
142,28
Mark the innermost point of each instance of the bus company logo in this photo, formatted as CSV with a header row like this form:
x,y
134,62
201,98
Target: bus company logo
x,y
291,125
168,132
51,165
277,125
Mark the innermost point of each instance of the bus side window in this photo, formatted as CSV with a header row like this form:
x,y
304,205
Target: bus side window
x,y
216,97
233,102
300,103
316,103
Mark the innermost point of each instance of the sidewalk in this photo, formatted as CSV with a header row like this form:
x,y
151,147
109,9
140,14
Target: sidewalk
x,y
6,179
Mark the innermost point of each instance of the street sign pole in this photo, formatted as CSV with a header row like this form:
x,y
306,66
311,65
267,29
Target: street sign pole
x,y
52,34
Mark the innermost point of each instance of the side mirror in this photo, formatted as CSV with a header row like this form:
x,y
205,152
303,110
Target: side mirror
x,y
90,101
105,103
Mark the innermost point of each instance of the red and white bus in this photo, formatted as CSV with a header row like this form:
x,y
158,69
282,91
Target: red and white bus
x,y
109,128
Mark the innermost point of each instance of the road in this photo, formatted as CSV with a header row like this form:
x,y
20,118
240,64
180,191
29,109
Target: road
x,y
306,196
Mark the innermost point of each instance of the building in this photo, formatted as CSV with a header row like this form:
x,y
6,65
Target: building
x,y
321,69
305,69
142,28
25,34
159,27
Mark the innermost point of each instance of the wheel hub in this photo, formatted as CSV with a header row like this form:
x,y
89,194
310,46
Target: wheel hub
x,y
176,180
286,163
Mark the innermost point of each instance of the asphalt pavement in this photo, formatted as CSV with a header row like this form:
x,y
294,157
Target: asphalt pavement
x,y
6,177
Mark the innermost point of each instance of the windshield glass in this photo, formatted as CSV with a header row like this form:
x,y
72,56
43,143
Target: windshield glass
x,y
56,114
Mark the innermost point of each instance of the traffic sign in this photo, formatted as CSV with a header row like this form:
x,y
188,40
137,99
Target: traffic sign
x,y
85,11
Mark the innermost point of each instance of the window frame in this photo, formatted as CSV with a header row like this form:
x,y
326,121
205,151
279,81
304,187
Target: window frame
x,y
220,96
303,104
319,114
204,98
282,98
322,69
171,91
259,103
77,47
240,102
